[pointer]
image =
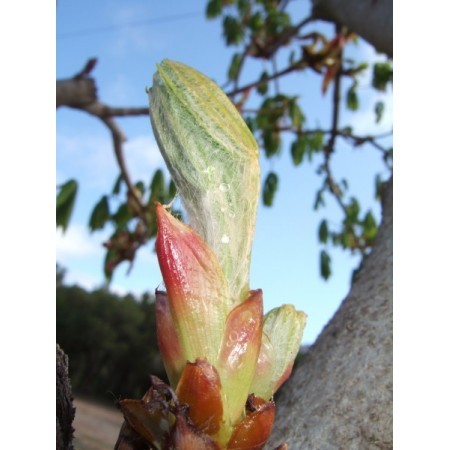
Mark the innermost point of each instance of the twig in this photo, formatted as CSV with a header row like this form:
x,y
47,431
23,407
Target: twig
x,y
103,112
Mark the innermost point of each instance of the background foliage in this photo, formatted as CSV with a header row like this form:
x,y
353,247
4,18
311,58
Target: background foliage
x,y
110,341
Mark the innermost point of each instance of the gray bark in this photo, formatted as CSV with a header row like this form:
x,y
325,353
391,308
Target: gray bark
x,y
340,397
65,412
371,19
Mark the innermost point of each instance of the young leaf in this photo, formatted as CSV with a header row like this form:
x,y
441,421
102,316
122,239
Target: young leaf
x,y
270,187
298,148
100,214
233,30
296,115
263,87
213,159
382,75
157,186
213,9
116,187
323,232
325,265
370,228
315,141
282,334
352,98
271,142
379,109
235,66
65,201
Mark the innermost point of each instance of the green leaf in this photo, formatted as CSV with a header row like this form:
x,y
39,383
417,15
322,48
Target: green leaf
x,y
172,190
352,210
271,142
232,30
298,149
319,200
325,265
282,333
140,187
235,66
264,86
382,75
157,186
244,7
296,115
370,228
352,98
100,214
65,201
213,9
109,264
323,232
316,141
117,184
270,187
379,109
122,216
256,22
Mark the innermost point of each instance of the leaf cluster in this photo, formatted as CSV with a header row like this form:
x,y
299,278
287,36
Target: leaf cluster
x,y
261,29
133,219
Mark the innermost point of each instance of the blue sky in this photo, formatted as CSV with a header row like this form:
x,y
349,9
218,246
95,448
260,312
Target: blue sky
x,y
285,261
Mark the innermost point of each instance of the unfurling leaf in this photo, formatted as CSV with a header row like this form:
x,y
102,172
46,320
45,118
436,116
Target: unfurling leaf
x,y
282,334
213,159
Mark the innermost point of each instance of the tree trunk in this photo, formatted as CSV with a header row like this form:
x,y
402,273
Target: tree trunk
x,y
371,19
340,397
65,412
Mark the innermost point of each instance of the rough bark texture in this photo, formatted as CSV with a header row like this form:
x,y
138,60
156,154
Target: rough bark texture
x,y
65,412
371,19
341,395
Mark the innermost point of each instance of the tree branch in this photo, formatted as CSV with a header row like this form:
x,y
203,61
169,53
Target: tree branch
x,y
371,19
80,93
